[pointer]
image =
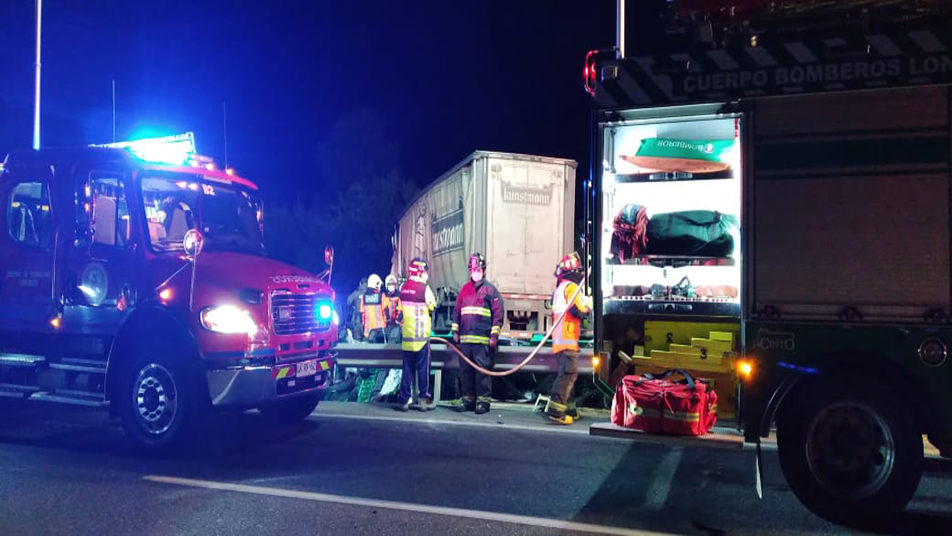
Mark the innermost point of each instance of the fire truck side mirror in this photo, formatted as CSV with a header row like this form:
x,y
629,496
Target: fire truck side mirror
x,y
329,255
193,243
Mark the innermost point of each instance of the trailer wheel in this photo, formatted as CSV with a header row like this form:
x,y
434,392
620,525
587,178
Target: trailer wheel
x,y
157,406
852,456
292,409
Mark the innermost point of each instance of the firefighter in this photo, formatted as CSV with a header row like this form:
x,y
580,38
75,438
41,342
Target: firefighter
x,y
565,337
356,315
391,300
417,303
372,310
477,319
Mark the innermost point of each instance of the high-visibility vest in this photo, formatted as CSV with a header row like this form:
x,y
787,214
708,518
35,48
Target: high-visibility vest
x,y
392,305
566,334
372,312
416,302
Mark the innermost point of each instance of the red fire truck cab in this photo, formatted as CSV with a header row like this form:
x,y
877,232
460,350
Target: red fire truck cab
x,y
145,288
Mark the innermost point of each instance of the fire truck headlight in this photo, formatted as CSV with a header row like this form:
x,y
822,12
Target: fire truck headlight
x,y
336,319
228,319
325,311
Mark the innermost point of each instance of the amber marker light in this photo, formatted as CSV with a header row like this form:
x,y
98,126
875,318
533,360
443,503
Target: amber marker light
x,y
745,369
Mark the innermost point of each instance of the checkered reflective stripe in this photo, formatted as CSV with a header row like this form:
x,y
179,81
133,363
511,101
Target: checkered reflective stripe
x,y
913,58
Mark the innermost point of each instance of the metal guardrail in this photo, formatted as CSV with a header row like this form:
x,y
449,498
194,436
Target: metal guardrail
x,y
367,355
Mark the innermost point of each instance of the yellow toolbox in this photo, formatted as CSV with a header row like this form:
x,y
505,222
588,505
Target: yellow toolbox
x,y
660,334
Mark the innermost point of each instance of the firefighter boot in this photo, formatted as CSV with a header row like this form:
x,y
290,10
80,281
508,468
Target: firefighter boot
x,y
572,411
425,404
564,420
404,407
555,413
468,404
482,407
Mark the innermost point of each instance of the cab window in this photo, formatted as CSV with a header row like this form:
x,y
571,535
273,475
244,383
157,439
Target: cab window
x,y
110,210
28,214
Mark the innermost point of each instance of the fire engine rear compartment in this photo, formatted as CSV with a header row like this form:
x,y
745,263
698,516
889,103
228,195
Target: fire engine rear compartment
x,y
669,250
842,215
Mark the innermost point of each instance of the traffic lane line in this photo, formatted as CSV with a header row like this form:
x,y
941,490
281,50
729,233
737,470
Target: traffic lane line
x,y
480,515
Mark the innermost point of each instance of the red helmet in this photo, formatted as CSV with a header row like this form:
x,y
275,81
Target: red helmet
x,y
571,263
476,260
418,267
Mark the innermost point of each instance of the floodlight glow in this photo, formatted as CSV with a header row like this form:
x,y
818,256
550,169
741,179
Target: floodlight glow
x,y
324,312
174,150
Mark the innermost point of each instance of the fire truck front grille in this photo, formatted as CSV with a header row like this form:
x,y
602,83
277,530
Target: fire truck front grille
x,y
292,314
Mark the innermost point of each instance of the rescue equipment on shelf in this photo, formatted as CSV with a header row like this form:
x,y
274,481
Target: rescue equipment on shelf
x,y
672,155
630,234
659,404
701,233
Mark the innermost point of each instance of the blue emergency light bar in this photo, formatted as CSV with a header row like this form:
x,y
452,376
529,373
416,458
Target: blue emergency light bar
x,y
176,150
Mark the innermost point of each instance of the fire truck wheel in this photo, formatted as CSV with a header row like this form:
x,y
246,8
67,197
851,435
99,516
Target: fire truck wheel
x,y
292,409
850,454
156,403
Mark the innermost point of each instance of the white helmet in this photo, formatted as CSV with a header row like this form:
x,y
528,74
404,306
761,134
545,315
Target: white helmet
x,y
374,282
391,280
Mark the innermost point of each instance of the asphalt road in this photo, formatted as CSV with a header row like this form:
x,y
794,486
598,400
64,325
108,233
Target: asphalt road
x,y
349,471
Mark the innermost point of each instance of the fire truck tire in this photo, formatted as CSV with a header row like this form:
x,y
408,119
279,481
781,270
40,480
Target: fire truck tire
x,y
157,405
291,410
851,454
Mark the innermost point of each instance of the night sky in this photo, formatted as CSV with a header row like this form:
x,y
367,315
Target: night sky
x,y
414,85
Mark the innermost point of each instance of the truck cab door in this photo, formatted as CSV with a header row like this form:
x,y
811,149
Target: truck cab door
x,y
26,251
101,280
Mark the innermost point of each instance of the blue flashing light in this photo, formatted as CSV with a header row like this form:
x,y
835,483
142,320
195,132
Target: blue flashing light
x,y
799,368
173,150
325,311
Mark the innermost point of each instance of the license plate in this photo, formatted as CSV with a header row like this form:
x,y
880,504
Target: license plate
x,y
306,368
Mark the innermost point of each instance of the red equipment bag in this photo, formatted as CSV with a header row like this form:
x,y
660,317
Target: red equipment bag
x,y
656,404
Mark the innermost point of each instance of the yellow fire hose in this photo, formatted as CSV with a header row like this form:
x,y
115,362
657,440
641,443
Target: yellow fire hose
x,y
525,362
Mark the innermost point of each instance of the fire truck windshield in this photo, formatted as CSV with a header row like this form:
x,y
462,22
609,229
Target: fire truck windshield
x,y
227,216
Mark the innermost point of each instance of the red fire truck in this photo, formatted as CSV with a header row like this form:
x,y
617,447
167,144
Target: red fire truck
x,y
134,278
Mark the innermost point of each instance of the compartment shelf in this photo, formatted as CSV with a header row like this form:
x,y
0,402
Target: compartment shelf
x,y
676,261
673,176
694,306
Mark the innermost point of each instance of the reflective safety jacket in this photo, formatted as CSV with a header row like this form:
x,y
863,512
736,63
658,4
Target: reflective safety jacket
x,y
416,303
478,314
566,334
392,306
372,311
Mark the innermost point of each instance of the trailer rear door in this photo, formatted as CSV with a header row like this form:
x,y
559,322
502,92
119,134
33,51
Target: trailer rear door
x,y
525,224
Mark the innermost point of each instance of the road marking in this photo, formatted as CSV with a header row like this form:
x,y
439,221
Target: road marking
x,y
662,476
554,428
558,524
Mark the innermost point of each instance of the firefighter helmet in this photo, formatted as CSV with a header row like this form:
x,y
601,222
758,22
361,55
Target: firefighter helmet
x,y
571,263
391,283
418,267
476,260
374,282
